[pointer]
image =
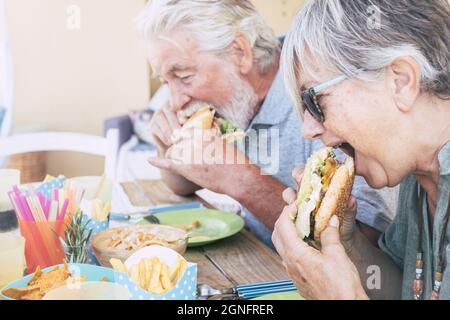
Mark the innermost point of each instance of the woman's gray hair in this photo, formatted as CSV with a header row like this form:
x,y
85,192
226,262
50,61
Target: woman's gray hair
x,y
214,23
346,36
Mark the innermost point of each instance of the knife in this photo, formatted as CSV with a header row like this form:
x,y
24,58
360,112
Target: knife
x,y
149,215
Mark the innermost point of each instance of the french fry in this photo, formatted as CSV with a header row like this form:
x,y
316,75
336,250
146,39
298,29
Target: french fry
x,y
135,273
97,210
155,275
118,265
173,270
142,282
181,269
165,279
158,289
105,212
148,273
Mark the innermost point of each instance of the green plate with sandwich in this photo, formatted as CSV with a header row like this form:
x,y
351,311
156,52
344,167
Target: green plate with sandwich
x,y
204,226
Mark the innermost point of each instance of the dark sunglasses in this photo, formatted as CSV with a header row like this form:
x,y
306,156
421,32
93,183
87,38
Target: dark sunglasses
x,y
309,98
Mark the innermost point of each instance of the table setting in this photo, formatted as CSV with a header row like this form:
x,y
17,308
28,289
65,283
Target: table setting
x,y
85,238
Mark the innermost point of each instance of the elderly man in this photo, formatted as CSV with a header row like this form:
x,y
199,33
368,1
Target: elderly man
x,y
224,54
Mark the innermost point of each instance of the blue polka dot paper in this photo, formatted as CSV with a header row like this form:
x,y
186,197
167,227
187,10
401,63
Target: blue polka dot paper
x,y
186,289
47,187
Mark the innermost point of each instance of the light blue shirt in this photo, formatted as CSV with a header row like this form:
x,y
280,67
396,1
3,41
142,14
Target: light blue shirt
x,y
277,114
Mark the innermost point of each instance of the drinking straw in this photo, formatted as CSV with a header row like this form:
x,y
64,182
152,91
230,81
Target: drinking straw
x,y
48,203
71,200
34,198
37,208
53,211
26,207
83,192
99,187
45,231
41,199
32,209
16,205
31,234
23,203
61,197
43,203
63,211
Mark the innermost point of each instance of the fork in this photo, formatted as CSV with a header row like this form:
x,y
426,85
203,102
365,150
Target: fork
x,y
249,291
205,291
134,216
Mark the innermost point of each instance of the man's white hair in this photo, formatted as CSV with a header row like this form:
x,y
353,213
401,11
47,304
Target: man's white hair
x,y
343,37
214,23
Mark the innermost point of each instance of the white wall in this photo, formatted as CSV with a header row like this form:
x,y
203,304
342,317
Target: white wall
x,y
71,80
278,13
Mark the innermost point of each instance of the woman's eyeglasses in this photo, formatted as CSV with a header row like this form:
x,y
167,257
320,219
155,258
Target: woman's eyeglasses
x,y
309,97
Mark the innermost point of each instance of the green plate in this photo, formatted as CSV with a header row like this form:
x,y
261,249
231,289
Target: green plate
x,y
293,295
214,224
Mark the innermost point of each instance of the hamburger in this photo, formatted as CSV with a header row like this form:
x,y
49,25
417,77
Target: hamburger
x,y
205,118
324,191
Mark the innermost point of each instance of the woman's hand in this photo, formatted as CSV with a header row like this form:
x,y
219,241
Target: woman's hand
x,y
348,225
325,274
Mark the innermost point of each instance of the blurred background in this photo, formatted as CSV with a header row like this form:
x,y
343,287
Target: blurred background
x,y
79,62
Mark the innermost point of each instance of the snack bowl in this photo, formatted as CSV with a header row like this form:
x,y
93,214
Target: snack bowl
x,y
121,243
86,271
91,290
184,286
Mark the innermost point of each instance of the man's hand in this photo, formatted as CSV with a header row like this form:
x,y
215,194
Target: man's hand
x,y
163,125
203,157
348,224
325,274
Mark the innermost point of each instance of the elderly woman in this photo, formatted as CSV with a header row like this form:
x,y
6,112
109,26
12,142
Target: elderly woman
x,y
373,78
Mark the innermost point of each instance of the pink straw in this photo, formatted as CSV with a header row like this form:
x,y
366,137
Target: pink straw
x,y
43,201
48,203
26,212
62,213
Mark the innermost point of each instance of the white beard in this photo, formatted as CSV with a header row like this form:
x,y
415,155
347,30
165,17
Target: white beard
x,y
242,106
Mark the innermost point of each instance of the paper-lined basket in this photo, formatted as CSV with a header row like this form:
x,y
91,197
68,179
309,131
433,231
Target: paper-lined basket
x,y
185,289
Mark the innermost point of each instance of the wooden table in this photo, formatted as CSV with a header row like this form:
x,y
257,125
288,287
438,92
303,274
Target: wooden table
x,y
240,259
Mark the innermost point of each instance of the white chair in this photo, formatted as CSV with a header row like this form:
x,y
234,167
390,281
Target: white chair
x,y
64,141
